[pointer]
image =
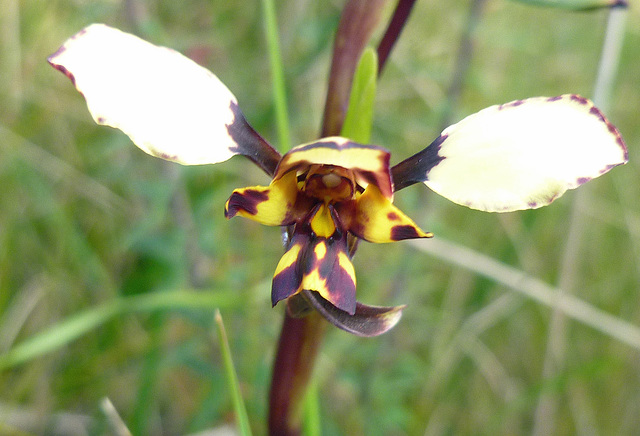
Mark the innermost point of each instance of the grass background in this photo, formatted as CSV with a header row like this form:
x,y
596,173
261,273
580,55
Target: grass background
x,y
85,218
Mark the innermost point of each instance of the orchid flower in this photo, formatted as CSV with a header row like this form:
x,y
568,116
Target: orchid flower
x,y
330,193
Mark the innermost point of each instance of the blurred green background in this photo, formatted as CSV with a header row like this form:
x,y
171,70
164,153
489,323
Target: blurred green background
x,y
86,218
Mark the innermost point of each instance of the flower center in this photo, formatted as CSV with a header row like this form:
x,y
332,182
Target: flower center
x,y
329,183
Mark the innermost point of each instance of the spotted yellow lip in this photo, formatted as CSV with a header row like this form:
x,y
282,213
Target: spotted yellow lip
x,y
326,190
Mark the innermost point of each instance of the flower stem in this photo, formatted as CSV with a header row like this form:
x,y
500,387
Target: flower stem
x,y
298,347
359,19
397,23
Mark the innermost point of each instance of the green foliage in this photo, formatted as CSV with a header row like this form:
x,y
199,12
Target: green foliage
x,y
87,220
278,84
232,379
359,119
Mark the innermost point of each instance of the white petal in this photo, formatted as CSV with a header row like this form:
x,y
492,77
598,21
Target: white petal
x,y
524,154
168,105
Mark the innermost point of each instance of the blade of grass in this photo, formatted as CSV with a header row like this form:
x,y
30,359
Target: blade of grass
x,y
531,287
610,57
277,75
232,379
311,425
557,337
116,423
146,386
77,325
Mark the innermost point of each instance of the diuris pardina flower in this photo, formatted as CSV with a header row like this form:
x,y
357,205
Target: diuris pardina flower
x,y
326,190
332,192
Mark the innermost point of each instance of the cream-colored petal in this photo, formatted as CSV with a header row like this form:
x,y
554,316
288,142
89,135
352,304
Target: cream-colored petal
x,y
167,104
523,154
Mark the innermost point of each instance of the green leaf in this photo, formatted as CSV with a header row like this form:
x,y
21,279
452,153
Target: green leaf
x,y
576,5
77,325
232,379
359,118
277,73
312,422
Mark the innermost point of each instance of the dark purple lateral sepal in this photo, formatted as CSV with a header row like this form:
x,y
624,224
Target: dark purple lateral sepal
x,y
415,169
251,144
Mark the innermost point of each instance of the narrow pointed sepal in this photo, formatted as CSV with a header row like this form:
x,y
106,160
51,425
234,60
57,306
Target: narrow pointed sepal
x,y
369,163
377,220
273,205
167,104
523,154
366,321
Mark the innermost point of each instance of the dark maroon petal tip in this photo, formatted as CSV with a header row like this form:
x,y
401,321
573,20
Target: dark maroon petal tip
x,y
367,321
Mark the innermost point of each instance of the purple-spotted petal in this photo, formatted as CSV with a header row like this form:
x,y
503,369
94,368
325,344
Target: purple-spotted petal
x,y
518,155
275,205
317,264
376,219
167,104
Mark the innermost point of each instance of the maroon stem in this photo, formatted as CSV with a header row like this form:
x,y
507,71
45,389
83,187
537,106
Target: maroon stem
x,y
298,347
397,23
359,19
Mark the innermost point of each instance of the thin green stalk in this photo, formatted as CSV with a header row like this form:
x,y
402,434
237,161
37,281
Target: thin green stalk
x,y
555,354
312,422
232,379
117,425
277,74
610,57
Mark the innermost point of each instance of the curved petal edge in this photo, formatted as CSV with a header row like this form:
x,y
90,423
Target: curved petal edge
x,y
367,321
167,104
521,155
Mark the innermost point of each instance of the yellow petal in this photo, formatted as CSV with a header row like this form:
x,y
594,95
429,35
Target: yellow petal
x,y
369,163
378,220
273,205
